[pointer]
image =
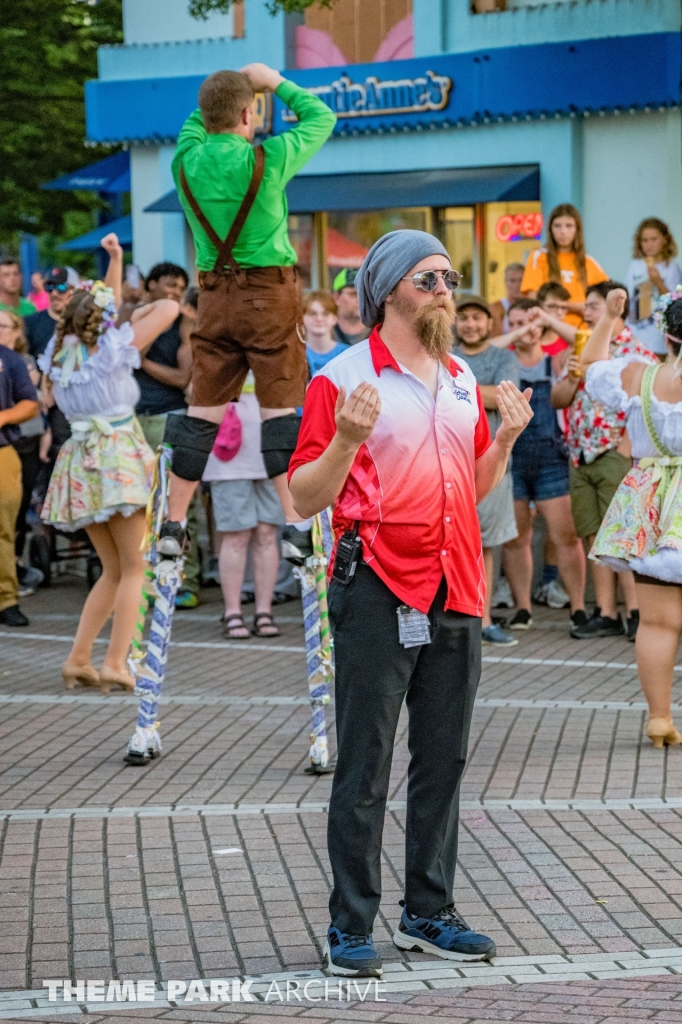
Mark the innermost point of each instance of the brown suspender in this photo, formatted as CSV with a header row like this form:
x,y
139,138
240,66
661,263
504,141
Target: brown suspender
x,y
225,257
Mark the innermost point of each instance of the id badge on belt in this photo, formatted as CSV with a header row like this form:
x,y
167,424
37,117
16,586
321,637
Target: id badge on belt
x,y
414,628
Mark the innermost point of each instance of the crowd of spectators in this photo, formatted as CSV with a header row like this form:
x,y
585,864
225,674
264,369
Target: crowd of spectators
x,y
565,467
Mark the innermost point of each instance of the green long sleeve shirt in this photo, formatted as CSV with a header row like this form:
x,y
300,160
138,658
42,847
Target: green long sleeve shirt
x,y
219,167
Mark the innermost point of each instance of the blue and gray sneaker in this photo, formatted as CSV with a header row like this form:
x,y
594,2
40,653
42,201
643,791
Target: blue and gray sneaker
x,y
496,635
445,934
352,956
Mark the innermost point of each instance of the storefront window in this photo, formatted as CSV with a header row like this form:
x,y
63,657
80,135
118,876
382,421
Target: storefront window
x,y
351,234
301,235
512,231
481,240
457,232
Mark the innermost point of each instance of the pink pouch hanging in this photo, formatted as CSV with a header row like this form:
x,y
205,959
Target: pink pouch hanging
x,y
229,439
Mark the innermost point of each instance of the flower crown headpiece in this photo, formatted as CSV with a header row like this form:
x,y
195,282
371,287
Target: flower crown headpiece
x,y
662,308
104,299
73,352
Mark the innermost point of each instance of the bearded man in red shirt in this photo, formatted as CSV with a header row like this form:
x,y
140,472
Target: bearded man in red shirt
x,y
395,437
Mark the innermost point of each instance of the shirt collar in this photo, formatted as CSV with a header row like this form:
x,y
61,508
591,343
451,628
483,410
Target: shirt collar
x,y
455,368
382,357
226,137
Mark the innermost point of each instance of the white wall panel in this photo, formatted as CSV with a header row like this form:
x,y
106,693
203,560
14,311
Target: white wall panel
x,y
632,170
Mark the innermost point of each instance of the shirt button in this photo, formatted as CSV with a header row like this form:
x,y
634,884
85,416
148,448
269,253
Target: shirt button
x,y
443,553
447,519
448,485
443,452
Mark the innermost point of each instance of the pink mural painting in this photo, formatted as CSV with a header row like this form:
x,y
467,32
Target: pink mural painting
x,y
317,49
398,43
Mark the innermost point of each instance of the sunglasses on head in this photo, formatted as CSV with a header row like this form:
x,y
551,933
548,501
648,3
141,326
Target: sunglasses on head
x,y
61,288
427,280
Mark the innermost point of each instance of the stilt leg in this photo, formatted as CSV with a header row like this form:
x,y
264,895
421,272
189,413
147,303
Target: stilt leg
x,y
318,643
149,667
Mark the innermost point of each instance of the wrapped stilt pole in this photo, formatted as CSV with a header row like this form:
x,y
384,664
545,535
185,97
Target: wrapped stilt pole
x,y
149,666
318,645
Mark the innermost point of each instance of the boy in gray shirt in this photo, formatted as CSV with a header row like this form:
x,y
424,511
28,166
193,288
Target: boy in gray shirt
x,y
490,366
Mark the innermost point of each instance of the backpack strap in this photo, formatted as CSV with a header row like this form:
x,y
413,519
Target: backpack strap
x,y
646,394
225,257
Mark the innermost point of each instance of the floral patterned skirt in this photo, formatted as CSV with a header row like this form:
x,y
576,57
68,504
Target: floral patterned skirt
x,y
633,536
95,478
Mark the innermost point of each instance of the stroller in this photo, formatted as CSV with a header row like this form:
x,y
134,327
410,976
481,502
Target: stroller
x,y
47,547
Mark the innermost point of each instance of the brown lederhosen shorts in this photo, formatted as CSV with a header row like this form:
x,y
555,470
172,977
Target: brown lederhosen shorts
x,y
246,320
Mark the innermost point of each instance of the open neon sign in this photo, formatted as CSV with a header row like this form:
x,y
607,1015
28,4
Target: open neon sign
x,y
522,225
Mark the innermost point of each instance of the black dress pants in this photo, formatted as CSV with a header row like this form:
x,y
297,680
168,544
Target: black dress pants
x,y
374,673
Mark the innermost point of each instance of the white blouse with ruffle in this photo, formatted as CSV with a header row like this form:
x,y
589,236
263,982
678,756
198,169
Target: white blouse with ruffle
x,y
603,383
104,384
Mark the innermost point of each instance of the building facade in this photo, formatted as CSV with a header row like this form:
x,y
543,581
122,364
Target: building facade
x,y
469,118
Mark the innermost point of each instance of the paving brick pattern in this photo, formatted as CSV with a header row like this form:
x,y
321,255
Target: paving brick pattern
x,y
198,895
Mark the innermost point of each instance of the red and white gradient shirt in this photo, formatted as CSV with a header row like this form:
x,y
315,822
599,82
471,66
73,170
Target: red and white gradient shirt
x,y
411,485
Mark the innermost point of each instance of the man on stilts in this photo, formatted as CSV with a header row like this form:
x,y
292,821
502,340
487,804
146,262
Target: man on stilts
x,y
233,195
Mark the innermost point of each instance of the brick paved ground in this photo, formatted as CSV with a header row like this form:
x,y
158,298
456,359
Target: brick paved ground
x,y
570,852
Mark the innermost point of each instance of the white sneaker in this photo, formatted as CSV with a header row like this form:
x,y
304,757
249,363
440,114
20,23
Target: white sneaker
x,y
557,596
540,593
502,595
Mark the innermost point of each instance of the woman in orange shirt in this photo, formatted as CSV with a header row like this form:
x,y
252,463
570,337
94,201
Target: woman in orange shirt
x,y
564,260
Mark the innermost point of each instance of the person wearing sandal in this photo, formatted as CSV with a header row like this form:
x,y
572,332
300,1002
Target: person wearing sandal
x,y
247,515
102,478
642,529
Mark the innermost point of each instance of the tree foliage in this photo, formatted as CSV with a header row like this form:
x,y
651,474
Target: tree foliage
x,y
48,49
202,8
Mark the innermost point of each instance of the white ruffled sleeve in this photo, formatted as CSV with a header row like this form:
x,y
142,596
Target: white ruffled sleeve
x,y
603,382
116,350
45,360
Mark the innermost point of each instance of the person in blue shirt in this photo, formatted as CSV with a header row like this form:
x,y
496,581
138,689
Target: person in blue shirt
x,y
319,319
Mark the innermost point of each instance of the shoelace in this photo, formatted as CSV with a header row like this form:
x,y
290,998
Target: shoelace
x,y
449,915
357,940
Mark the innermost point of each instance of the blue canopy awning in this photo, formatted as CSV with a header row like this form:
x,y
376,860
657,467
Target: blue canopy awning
x,y
109,175
448,186
91,241
168,203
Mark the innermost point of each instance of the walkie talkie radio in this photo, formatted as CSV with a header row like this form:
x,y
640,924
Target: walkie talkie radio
x,y
348,554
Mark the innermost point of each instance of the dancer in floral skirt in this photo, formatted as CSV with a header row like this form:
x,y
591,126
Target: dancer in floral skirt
x,y
642,530
101,481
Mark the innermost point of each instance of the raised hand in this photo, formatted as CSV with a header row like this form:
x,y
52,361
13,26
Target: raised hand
x,y
262,77
537,315
515,411
110,244
615,302
356,416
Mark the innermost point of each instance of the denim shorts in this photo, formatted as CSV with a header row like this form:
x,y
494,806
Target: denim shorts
x,y
540,470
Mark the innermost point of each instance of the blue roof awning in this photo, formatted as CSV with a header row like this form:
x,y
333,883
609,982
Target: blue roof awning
x,y
505,83
449,186
168,203
91,241
109,175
